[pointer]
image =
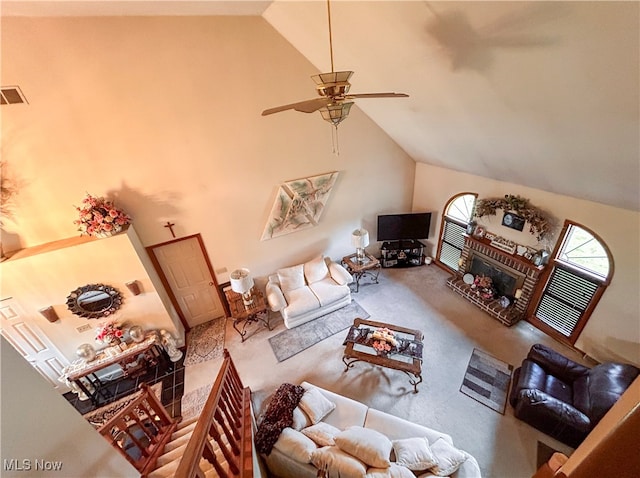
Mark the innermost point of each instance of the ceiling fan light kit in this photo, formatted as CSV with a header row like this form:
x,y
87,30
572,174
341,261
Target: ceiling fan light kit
x,y
333,88
335,113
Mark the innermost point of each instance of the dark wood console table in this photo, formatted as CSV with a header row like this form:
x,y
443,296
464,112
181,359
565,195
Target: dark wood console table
x,y
83,373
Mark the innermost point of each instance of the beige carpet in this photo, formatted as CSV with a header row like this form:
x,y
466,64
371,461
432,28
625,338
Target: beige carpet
x,y
417,298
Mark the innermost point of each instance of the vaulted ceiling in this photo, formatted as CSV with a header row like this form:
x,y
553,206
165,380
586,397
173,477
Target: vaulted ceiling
x,y
543,94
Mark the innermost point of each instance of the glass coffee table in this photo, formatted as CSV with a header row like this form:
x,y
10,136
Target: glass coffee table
x,y
405,356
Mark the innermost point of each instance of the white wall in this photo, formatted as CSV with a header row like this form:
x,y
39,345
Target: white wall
x,y
39,425
163,114
613,332
44,279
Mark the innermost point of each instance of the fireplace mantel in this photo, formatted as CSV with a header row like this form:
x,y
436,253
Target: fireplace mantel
x,y
518,264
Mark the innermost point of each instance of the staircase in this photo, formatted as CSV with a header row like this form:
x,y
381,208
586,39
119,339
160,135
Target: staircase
x,y
168,462
218,443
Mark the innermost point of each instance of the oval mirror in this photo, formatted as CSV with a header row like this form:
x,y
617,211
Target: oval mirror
x,y
94,300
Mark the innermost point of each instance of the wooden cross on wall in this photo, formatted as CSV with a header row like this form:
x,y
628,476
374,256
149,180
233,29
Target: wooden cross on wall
x,y
170,226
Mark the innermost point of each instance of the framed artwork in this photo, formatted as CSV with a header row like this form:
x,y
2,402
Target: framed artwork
x,y
299,204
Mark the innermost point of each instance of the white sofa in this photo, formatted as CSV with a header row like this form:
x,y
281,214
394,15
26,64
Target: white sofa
x,y
282,463
307,291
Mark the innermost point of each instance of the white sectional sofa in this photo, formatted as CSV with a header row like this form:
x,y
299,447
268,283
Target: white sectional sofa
x,y
291,457
306,291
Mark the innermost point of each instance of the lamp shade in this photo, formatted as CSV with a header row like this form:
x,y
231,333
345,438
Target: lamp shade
x,y
241,281
360,238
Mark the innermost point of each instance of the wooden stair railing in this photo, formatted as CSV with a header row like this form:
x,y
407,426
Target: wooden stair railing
x,y
223,433
140,430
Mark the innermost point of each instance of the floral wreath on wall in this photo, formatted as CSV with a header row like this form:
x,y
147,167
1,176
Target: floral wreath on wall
x,y
540,224
99,217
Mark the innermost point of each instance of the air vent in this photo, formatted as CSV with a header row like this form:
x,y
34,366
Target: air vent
x,y
12,95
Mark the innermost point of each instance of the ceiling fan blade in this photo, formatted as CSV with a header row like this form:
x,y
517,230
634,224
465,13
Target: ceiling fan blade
x,y
308,106
378,95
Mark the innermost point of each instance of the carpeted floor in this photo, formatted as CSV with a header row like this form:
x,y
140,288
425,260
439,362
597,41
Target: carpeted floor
x,y
290,342
487,380
418,298
205,342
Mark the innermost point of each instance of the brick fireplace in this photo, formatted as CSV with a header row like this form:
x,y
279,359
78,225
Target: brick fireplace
x,y
511,272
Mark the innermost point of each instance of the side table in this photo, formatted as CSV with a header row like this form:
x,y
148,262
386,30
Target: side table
x,y
258,311
370,266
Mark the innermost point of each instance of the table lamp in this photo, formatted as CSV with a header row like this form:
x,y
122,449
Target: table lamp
x,y
242,283
360,240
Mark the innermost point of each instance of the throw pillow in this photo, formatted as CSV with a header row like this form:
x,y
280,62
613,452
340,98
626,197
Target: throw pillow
x,y
322,433
316,270
316,405
449,458
300,419
414,453
291,278
336,463
369,446
394,471
295,445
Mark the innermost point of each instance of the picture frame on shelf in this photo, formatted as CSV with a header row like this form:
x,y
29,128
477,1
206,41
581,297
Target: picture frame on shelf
x,y
490,235
479,232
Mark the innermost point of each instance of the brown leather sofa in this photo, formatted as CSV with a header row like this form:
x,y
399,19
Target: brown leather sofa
x,y
565,399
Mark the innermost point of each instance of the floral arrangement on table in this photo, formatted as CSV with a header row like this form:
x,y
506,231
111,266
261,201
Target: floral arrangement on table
x,y
109,333
540,224
99,217
483,286
384,340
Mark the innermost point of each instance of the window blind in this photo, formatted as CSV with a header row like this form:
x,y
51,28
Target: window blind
x,y
565,298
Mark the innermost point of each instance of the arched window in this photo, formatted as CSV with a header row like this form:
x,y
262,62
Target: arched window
x,y
457,214
578,274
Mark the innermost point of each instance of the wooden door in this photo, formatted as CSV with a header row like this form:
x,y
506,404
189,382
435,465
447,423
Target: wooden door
x,y
31,342
185,269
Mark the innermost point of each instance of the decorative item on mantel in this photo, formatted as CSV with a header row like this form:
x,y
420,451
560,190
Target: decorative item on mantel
x,y
540,223
99,217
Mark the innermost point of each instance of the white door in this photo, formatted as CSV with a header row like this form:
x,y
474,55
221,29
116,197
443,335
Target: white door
x,y
27,338
188,274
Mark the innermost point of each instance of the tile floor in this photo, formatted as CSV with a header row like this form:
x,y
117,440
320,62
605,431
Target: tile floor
x,y
172,388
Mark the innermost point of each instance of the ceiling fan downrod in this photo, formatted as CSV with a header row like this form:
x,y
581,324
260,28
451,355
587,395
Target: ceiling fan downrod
x,y
330,35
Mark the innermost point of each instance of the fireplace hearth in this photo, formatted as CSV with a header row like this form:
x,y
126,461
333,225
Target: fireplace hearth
x,y
509,272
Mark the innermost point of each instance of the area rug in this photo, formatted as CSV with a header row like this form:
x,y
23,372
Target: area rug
x,y
101,415
193,402
205,342
293,341
487,380
544,454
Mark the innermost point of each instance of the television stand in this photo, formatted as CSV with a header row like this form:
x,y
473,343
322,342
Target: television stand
x,y
406,253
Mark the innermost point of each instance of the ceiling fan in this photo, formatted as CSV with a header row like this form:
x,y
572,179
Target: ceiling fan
x,y
333,89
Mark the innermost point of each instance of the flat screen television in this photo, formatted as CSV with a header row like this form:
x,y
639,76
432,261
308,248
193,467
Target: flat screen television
x,y
402,227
